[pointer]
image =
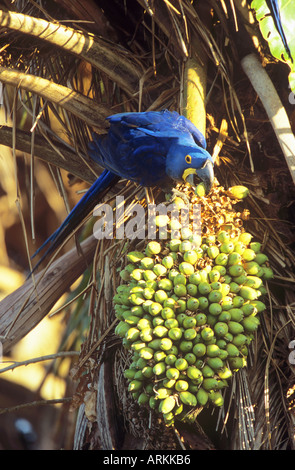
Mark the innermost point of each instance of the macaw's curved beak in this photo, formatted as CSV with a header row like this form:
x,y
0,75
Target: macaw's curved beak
x,y
206,174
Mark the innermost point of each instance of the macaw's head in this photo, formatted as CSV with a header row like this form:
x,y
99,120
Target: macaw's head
x,y
192,164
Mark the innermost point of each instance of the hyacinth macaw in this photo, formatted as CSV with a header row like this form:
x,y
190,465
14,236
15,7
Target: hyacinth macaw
x,y
154,148
274,9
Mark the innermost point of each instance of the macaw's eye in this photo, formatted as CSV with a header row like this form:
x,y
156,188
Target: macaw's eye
x,y
188,159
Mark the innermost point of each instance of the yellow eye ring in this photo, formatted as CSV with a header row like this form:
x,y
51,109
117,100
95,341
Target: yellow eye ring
x,y
188,159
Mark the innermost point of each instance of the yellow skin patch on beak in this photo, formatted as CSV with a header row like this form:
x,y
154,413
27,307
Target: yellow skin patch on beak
x,y
187,172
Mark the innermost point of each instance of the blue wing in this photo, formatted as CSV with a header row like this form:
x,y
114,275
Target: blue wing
x,y
274,8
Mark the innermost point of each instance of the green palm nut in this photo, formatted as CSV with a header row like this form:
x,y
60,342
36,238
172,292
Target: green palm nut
x,y
185,346
167,312
232,350
147,263
137,274
135,256
238,301
158,320
214,275
146,353
143,399
194,373
160,296
204,288
234,258
192,289
207,333
125,275
155,308
225,373
251,323
190,358
227,279
146,334
236,270
203,303
172,373
199,349
180,290
153,403
202,397
252,268
215,362
195,278
223,236
255,246
223,354
191,256
186,268
193,304
169,303
181,364
221,259
180,306
179,279
129,373
160,356
201,319
168,261
215,296
132,334
139,375
163,393
149,275
165,284
237,314
221,329
166,344
237,363
188,398
213,350
159,368
245,237
136,298
181,385
227,247
138,345
167,405
261,258
260,306
227,302
135,385
174,244
190,334
216,398
253,281
160,331
170,359
171,323
175,334
248,254
207,371
248,293
121,329
220,269
159,270
153,248
212,251
267,273
240,279
249,309
189,322
234,287
148,293
239,340
169,383
235,327
210,383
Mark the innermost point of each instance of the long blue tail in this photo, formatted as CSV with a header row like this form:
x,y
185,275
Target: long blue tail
x,y
275,12
87,203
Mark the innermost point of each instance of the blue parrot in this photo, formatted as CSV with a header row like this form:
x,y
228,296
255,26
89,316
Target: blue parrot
x,y
153,148
274,8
